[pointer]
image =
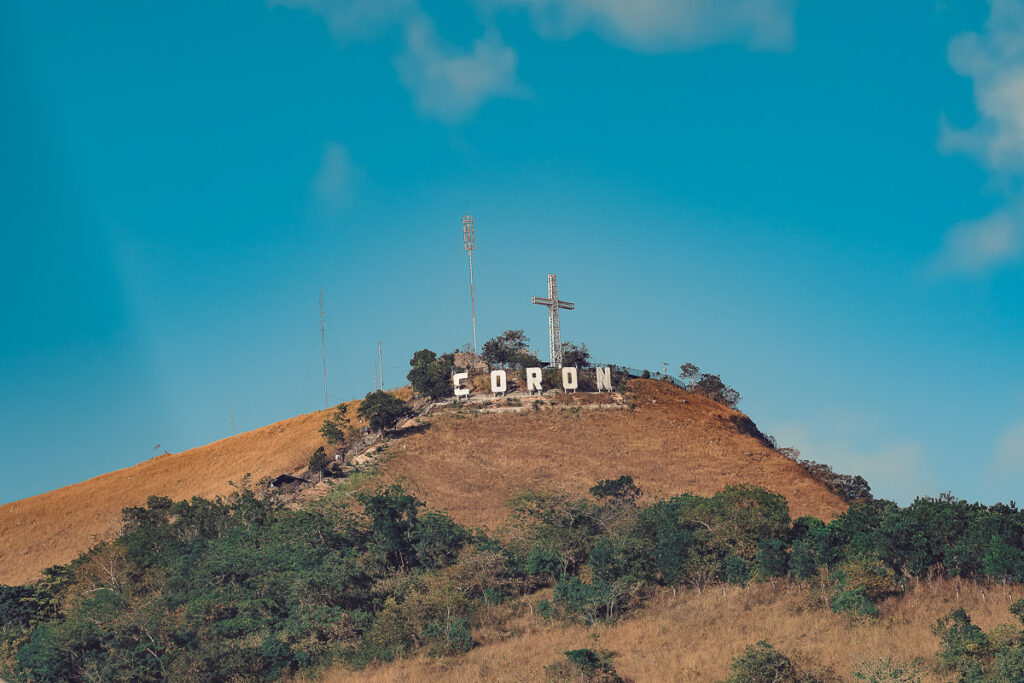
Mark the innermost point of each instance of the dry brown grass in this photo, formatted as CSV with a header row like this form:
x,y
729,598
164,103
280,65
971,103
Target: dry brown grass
x,y
673,442
54,527
693,636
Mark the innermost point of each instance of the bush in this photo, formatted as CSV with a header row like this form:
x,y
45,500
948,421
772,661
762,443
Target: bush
x,y
854,602
963,646
888,671
585,664
621,490
762,663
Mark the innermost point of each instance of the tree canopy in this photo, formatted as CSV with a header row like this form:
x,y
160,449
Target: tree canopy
x,y
383,410
431,375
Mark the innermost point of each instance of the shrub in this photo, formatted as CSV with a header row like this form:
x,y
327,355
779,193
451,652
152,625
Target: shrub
x,y
963,646
762,663
621,490
888,671
854,601
592,666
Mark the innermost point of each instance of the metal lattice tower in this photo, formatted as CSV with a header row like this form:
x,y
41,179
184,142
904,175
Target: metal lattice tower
x,y
554,331
469,244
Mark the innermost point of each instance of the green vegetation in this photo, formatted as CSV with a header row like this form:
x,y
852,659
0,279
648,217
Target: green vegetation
x,y
575,355
591,666
511,348
383,410
244,589
976,656
335,428
762,663
431,375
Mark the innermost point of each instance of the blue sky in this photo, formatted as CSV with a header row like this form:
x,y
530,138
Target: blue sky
x,y
824,206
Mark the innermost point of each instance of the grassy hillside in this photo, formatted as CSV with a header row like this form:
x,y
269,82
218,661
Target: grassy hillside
x,y
692,636
54,527
468,463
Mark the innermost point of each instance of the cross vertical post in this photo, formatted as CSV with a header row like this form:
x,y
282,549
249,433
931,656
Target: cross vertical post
x,y
554,329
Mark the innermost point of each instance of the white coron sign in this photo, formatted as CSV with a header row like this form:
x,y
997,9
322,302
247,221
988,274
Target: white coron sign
x,y
534,380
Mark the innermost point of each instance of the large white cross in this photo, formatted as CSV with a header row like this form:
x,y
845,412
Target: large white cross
x,y
553,304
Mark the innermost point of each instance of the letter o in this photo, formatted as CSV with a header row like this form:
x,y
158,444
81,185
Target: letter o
x,y
569,379
498,382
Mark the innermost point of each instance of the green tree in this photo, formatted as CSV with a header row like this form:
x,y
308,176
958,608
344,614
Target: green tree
x,y
714,388
575,355
383,410
318,462
510,348
334,427
431,375
687,371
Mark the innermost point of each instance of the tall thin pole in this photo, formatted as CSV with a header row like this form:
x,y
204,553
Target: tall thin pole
x,y
232,419
380,362
469,244
323,347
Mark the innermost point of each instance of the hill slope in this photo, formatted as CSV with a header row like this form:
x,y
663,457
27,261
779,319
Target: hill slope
x,y
672,442
54,527
466,462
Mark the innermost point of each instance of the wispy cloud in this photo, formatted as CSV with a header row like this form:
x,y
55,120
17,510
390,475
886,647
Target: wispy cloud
x,y
666,25
450,84
446,82
976,246
994,61
334,179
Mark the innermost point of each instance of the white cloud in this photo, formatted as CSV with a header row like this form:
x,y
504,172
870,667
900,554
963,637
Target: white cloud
x,y
665,25
979,245
450,84
333,181
994,61
446,82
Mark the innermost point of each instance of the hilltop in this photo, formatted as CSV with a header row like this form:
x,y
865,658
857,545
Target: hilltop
x,y
468,461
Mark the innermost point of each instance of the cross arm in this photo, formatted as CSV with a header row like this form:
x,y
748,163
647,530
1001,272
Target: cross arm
x,y
539,300
566,304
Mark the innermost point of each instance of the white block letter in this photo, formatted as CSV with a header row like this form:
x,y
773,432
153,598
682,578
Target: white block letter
x,y
604,379
533,376
498,380
457,379
569,379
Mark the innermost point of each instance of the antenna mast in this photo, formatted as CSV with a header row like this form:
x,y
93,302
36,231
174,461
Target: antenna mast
x,y
323,347
380,361
469,244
